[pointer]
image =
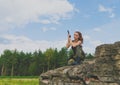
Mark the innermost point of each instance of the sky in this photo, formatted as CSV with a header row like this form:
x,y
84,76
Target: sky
x,y
29,25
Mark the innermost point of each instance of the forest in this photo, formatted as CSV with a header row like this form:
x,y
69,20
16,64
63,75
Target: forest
x,y
19,63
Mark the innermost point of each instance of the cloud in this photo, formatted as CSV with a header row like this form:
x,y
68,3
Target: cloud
x,y
112,15
15,13
25,44
44,29
86,37
90,43
97,29
88,49
111,31
104,9
107,10
104,34
45,21
96,42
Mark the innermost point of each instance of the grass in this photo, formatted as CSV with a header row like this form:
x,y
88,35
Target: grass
x,y
19,81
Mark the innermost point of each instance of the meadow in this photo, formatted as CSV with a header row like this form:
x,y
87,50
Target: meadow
x,y
19,81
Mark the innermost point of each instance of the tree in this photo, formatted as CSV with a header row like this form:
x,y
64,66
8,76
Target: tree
x,y
49,54
62,58
89,56
6,62
55,59
36,66
14,63
24,60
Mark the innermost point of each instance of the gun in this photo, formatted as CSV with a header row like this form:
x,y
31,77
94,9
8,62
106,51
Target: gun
x,y
69,33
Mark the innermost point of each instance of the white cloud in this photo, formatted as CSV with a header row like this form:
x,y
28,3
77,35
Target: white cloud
x,y
104,9
88,49
27,45
108,10
107,33
90,43
45,21
97,29
44,29
96,42
86,37
23,43
20,12
112,15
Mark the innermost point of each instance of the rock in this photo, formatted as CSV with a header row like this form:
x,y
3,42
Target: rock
x,y
104,69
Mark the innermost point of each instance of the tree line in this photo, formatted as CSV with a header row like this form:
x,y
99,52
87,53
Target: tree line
x,y
19,63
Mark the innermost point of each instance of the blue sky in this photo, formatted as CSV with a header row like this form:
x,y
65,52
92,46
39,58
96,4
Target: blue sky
x,y
30,25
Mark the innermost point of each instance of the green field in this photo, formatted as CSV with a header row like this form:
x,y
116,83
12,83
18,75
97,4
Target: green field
x,y
19,81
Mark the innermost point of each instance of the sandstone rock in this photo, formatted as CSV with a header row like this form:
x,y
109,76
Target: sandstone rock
x,y
117,57
104,69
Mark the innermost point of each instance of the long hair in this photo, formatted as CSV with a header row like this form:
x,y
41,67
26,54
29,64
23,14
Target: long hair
x,y
80,36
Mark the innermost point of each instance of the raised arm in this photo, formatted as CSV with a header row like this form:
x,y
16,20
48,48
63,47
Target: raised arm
x,y
68,41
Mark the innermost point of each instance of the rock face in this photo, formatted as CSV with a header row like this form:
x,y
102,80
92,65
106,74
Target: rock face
x,y
105,70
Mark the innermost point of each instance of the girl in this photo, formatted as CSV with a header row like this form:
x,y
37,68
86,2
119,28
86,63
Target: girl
x,y
76,44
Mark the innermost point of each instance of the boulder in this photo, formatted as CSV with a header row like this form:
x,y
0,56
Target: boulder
x,y
105,69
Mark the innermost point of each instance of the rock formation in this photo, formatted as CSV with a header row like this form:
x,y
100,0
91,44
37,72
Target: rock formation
x,y
105,70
